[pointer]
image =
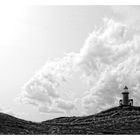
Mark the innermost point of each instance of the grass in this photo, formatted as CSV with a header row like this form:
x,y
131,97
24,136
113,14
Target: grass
x,y
116,120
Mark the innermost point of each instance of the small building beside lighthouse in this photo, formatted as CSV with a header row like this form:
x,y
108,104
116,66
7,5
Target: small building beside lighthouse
x,y
125,101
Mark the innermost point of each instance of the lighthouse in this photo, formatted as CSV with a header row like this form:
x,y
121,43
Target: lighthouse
x,y
126,101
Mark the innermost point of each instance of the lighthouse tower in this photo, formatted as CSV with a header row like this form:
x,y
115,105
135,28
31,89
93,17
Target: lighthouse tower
x,y
126,101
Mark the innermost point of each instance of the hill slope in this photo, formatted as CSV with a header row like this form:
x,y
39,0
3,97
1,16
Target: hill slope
x,y
116,120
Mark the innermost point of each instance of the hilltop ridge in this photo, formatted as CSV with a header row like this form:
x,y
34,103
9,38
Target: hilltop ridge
x,y
116,120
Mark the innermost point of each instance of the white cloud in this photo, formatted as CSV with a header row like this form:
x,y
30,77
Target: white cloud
x,y
109,60
44,109
41,89
59,106
67,106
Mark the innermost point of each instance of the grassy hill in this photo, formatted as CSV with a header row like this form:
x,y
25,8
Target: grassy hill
x,y
117,120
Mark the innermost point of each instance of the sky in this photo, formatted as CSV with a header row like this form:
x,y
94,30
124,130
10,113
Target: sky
x,y
66,60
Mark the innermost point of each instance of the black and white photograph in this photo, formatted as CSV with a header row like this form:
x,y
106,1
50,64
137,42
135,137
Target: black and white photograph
x,y
69,69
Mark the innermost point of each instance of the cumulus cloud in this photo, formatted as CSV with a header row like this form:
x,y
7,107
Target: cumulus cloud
x,y
109,60
124,11
132,19
41,89
60,106
67,106
45,109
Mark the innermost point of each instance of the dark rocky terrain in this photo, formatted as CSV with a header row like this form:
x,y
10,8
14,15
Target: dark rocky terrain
x,y
117,120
